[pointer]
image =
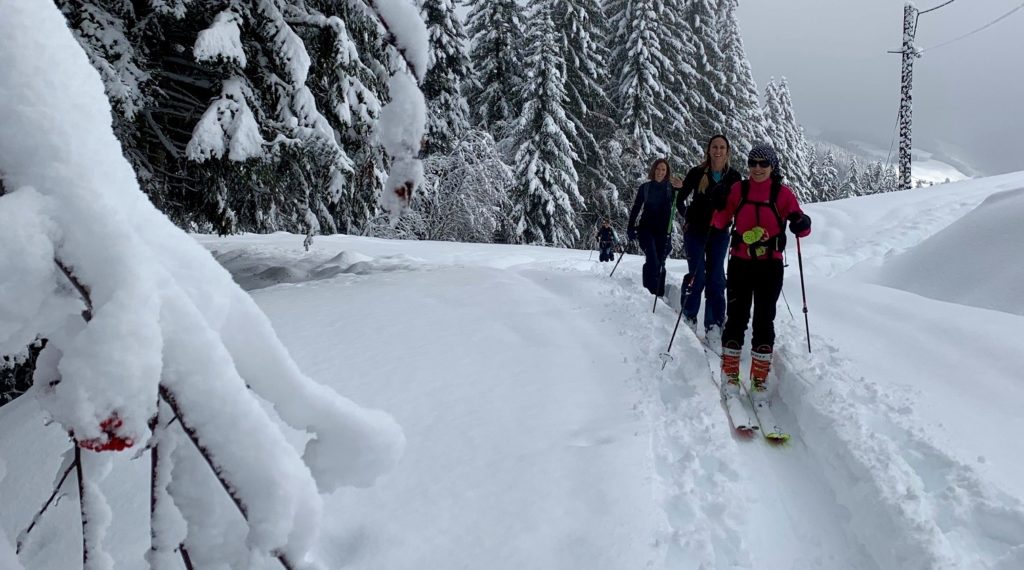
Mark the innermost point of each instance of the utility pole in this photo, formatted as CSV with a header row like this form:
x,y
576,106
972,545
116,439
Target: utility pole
x,y
910,53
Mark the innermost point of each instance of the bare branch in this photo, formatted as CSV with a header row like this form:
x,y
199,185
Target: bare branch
x,y
35,520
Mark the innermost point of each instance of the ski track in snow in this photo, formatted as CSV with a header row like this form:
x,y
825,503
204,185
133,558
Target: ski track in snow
x,y
911,504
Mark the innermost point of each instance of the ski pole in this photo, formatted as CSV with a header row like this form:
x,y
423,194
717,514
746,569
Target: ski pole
x,y
617,262
803,291
667,355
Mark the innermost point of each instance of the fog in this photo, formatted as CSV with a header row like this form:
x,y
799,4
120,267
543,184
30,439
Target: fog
x,y
967,95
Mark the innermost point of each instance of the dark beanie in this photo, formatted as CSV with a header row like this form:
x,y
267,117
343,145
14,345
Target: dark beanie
x,y
763,151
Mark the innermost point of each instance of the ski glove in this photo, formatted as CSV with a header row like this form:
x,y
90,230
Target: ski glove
x,y
631,234
799,223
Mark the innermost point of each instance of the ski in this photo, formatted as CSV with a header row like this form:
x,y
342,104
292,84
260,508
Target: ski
x,y
766,422
741,417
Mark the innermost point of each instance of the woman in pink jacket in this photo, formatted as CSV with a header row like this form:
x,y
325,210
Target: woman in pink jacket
x,y
757,209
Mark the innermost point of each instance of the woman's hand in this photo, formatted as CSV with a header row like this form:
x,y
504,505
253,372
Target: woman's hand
x,y
677,182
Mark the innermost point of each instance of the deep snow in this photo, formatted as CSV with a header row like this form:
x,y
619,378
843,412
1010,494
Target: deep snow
x,y
542,432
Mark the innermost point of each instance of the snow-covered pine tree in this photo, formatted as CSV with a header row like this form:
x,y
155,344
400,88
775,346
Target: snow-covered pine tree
x,y
852,184
263,67
814,167
793,148
496,31
772,113
714,108
581,27
890,180
745,124
872,182
829,176
350,65
107,31
447,111
546,179
649,70
241,56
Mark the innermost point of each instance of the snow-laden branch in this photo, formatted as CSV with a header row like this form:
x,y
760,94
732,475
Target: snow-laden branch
x,y
403,120
163,316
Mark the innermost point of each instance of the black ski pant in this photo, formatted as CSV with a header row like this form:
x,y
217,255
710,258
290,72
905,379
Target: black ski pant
x,y
606,251
656,246
757,282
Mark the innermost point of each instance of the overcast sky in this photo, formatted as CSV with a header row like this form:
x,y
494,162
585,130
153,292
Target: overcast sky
x,y
968,96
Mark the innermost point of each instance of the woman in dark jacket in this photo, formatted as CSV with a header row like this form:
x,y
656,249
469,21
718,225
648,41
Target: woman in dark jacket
x,y
707,183
656,198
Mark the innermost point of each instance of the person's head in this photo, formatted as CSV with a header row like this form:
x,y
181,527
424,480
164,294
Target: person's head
x,y
605,223
660,170
717,153
762,162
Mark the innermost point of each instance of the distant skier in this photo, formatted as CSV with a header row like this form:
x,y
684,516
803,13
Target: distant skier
x,y
759,207
707,183
607,240
656,198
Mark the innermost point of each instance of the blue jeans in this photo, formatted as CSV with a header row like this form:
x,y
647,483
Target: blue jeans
x,y
705,257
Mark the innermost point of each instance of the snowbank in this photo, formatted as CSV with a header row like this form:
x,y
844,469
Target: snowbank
x,y
975,261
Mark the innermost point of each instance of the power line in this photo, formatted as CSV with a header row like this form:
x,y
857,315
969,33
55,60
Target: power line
x,y
936,8
971,33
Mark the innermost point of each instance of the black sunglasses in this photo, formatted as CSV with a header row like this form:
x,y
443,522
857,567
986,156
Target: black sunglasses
x,y
759,163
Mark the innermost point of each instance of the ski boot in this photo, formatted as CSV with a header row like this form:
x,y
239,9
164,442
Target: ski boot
x,y
730,371
760,366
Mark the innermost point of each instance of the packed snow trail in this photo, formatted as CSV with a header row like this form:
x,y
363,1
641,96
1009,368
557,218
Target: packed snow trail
x,y
535,374
525,448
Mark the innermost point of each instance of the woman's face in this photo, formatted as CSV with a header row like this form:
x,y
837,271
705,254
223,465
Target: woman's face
x,y
719,152
760,169
660,172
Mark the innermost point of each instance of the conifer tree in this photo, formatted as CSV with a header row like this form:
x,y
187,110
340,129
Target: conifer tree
x,y
546,178
773,117
448,113
581,27
495,28
829,177
852,184
649,68
746,124
788,138
714,109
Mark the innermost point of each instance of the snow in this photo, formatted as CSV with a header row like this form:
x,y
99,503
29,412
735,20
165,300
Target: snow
x,y
221,41
228,125
403,20
947,266
540,428
542,432
401,127
135,312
